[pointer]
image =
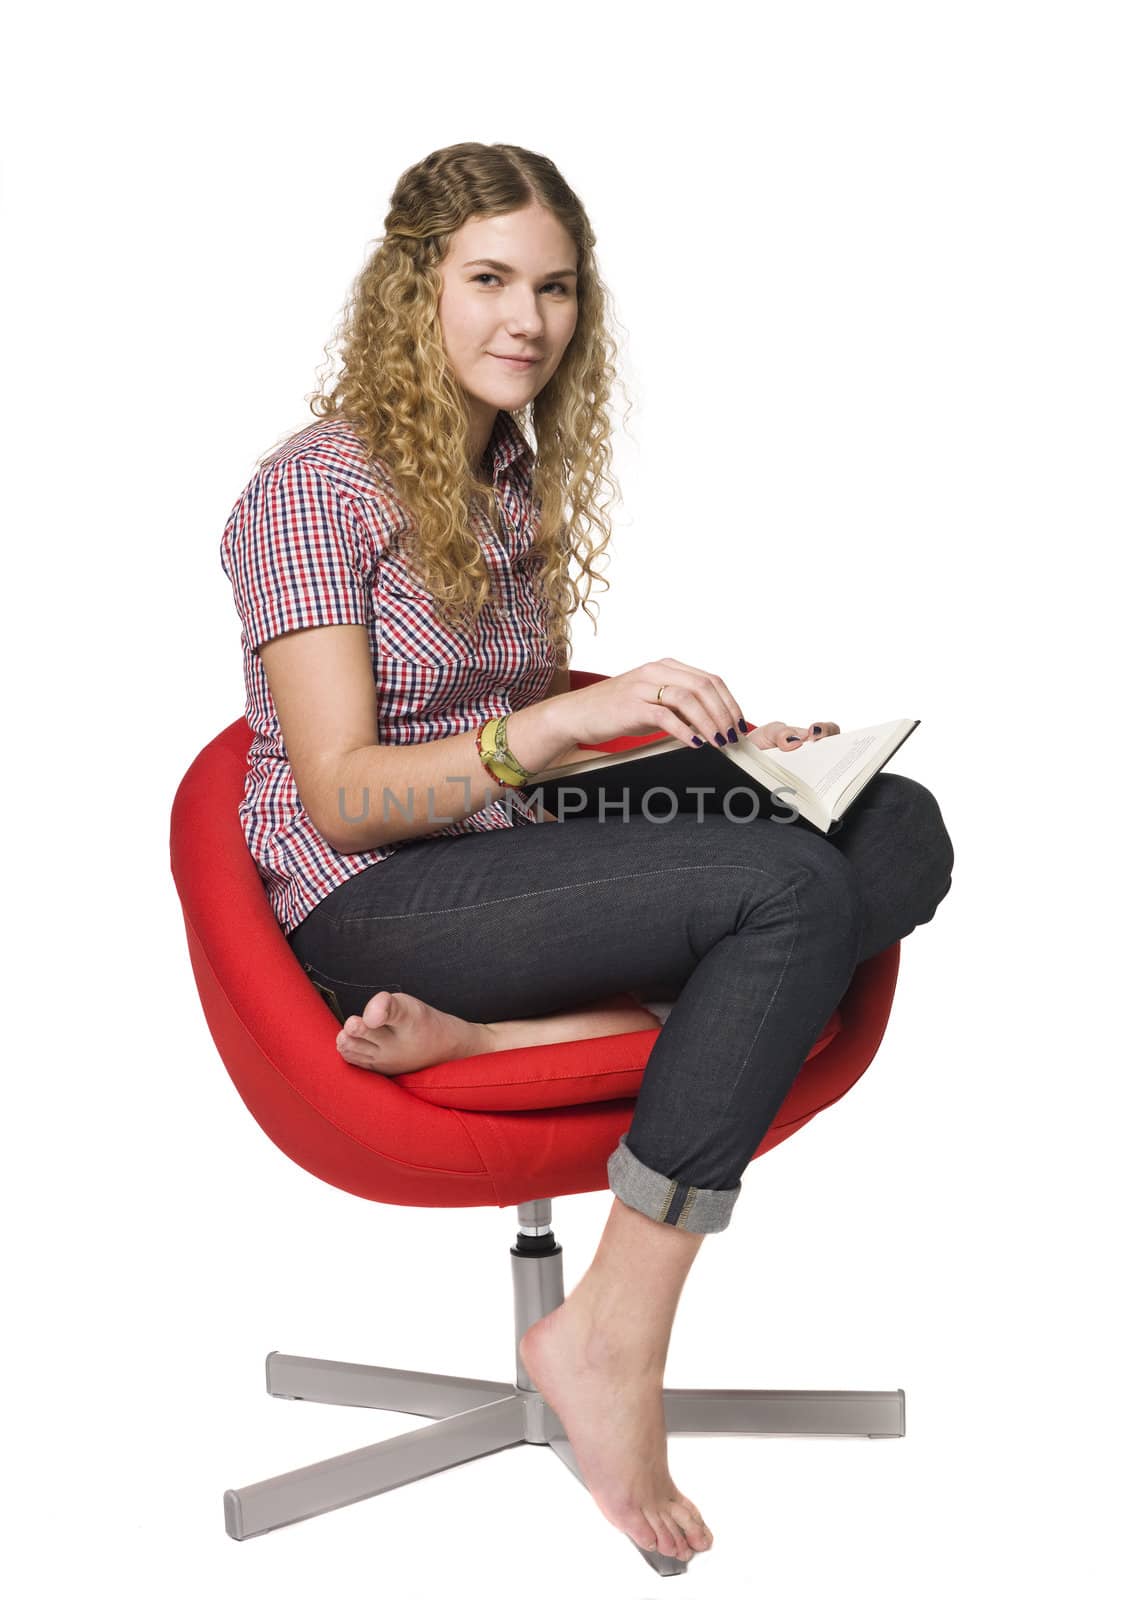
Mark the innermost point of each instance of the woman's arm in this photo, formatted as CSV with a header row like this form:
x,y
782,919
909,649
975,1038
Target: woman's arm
x,y
361,795
560,685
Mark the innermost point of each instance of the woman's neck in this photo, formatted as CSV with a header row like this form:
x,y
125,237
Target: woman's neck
x,y
479,442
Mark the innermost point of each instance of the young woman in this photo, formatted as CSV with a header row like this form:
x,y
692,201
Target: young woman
x,y
402,572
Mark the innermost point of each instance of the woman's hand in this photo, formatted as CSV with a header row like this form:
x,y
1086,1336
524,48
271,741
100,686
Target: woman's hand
x,y
694,702
787,735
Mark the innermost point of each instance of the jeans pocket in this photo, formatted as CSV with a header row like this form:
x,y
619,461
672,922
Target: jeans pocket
x,y
327,994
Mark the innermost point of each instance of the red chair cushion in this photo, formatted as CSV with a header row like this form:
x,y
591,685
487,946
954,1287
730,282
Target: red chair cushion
x,y
571,1074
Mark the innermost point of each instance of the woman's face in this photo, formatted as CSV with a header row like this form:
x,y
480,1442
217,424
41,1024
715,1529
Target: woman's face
x,y
509,290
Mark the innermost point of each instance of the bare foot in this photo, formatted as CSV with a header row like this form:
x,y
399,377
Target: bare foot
x,y
610,1405
398,1033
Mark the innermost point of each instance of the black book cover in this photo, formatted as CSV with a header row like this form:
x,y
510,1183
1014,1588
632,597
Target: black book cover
x,y
650,788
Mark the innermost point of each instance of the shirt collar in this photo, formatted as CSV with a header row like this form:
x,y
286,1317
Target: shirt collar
x,y
508,442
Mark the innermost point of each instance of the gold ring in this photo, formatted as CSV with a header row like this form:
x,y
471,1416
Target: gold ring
x,y
659,696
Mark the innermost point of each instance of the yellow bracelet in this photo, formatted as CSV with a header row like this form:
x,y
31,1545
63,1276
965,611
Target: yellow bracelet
x,y
502,749
502,756
502,765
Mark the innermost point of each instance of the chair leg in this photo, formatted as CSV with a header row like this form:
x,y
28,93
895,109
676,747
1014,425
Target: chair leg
x,y
477,1417
360,1474
347,1383
864,1413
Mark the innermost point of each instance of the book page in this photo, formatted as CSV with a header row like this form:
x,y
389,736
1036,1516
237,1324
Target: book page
x,y
827,766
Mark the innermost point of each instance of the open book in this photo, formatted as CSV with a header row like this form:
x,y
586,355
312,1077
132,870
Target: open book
x,y
819,778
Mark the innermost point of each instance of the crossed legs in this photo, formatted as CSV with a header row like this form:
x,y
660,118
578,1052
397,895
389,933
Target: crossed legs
x,y
600,1357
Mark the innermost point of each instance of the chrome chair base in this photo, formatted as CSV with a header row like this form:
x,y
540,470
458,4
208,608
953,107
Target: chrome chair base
x,y
478,1417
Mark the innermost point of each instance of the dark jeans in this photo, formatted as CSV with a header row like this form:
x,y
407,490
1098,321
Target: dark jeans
x,y
753,928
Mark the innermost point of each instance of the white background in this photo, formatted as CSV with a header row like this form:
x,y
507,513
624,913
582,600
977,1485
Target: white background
x,y
869,263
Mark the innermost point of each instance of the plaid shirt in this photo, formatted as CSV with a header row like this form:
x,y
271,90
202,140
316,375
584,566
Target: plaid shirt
x,y
314,539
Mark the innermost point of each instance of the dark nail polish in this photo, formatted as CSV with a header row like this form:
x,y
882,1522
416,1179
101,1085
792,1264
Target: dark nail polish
x,y
697,740
733,736
816,727
792,739
719,738
743,725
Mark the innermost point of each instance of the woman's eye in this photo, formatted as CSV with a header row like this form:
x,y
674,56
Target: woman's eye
x,y
478,277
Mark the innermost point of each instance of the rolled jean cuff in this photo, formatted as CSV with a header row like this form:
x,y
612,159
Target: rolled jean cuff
x,y
666,1199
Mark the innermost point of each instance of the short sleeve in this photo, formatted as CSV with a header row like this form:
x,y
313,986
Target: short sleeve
x,y
295,554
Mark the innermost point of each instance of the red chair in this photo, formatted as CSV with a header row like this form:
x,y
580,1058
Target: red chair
x,y
459,1133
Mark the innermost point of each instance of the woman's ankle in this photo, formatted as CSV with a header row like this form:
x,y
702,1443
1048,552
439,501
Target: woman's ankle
x,y
627,1299
597,1020
611,1332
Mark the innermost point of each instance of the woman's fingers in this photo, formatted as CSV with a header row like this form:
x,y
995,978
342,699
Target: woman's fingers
x,y
789,735
676,722
702,699
699,703
777,736
712,693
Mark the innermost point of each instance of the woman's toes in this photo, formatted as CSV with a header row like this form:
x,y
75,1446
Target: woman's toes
x,y
376,1012
691,1524
697,1535
355,1042
354,1050
642,1532
665,1541
681,1544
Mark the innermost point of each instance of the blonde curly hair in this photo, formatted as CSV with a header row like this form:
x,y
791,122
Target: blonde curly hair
x,y
399,395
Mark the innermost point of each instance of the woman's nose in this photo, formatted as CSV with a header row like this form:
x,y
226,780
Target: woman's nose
x,y
526,315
